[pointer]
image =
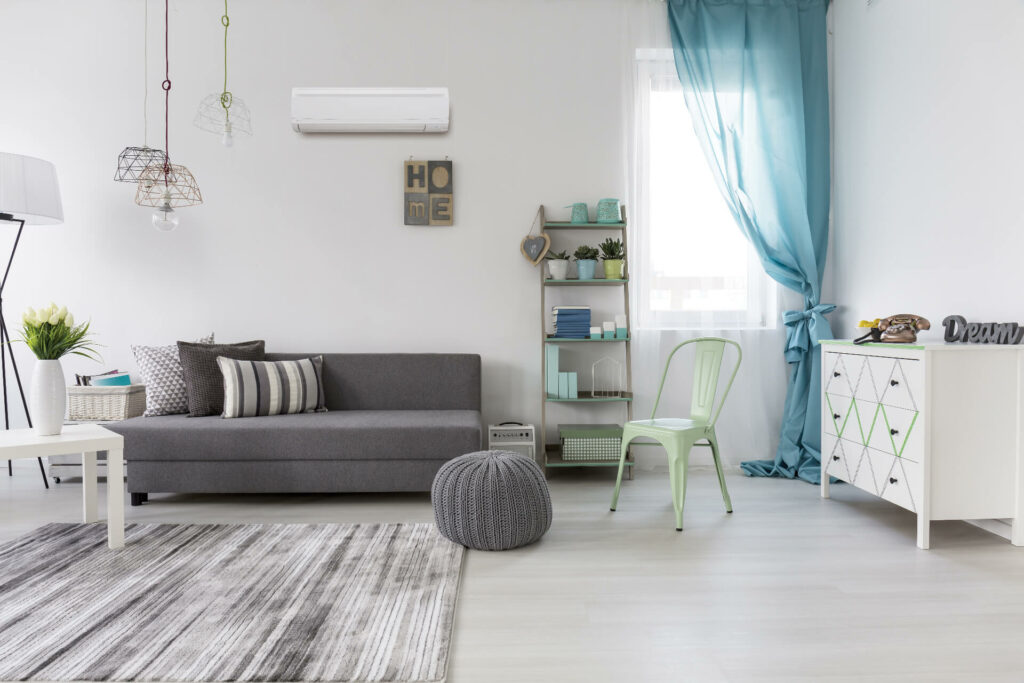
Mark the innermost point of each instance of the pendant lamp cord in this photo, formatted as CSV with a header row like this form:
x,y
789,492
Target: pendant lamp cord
x,y
166,85
225,95
145,76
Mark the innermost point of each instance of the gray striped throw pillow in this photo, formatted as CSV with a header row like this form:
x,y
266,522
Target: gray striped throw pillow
x,y
256,388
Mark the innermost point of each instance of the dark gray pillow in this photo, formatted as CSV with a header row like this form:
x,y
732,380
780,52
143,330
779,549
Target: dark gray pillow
x,y
204,383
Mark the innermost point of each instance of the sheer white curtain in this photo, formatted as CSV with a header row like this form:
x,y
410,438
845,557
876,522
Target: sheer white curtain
x,y
749,425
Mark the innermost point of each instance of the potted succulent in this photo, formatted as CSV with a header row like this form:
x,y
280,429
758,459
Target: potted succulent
x,y
612,253
51,334
586,260
558,264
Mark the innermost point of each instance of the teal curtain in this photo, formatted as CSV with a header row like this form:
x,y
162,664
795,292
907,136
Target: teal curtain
x,y
755,79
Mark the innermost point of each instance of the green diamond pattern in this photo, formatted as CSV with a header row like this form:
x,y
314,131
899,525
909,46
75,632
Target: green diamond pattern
x,y
879,410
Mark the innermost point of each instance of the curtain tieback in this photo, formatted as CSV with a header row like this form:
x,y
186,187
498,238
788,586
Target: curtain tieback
x,y
803,329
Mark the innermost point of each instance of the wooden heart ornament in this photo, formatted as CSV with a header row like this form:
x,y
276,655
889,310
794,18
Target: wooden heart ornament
x,y
535,247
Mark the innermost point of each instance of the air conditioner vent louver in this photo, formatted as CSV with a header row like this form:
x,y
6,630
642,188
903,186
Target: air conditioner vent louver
x,y
370,110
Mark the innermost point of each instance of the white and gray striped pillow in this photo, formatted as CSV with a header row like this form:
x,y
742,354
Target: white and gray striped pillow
x,y
258,388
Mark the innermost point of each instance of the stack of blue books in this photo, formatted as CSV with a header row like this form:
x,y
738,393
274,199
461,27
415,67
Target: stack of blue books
x,y
572,322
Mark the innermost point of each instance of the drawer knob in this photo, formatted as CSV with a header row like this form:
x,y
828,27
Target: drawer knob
x,y
835,374
894,432
892,480
836,416
893,383
835,457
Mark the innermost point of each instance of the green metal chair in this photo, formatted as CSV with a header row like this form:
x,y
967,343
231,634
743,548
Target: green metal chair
x,y
679,435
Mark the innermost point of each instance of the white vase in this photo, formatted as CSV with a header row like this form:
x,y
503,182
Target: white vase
x,y
48,397
558,268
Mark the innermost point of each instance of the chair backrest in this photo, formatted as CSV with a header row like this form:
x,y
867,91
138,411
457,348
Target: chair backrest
x,y
706,371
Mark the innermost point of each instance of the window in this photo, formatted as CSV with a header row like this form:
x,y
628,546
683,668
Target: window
x,y
697,270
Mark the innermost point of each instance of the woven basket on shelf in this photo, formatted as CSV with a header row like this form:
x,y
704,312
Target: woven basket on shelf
x,y
106,403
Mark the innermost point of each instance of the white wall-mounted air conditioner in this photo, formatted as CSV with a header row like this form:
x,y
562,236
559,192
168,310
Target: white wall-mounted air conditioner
x,y
370,110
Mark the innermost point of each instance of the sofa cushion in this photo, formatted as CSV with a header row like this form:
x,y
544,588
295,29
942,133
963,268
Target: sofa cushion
x,y
255,388
340,435
203,381
161,372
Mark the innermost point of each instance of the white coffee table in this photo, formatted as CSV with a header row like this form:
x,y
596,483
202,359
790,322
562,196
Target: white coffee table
x,y
85,439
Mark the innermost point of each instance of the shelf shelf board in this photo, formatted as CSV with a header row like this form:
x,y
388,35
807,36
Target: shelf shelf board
x,y
570,283
588,397
559,340
566,225
554,459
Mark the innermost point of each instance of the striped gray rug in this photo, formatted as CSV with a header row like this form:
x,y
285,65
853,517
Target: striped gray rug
x,y
295,602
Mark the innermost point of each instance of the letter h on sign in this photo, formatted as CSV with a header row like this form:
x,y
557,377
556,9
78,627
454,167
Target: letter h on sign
x,y
428,192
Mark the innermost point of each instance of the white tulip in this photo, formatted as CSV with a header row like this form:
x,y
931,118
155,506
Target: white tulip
x,y
25,318
41,317
31,312
63,312
54,319
69,320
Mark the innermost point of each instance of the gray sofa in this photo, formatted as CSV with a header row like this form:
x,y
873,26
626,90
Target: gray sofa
x,y
392,421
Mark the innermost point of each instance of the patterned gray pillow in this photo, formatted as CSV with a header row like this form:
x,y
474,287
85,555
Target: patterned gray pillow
x,y
161,372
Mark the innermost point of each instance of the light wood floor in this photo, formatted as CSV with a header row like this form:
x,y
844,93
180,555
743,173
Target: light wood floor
x,y
789,588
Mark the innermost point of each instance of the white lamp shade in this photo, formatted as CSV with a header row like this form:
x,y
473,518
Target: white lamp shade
x,y
28,189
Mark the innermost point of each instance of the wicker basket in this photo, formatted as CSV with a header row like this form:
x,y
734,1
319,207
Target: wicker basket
x,y
106,403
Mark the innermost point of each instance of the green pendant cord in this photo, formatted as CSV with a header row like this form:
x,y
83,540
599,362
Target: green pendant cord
x,y
225,96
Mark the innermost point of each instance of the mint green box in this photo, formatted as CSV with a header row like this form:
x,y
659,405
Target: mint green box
x,y
621,333
563,385
551,370
573,385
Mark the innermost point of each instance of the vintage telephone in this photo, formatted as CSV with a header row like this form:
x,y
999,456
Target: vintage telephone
x,y
901,328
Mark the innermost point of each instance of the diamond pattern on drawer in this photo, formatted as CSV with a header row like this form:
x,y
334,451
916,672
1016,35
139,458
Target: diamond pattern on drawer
x,y
836,462
891,428
843,374
841,416
897,391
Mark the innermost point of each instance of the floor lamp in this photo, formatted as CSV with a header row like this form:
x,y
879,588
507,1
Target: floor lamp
x,y
28,195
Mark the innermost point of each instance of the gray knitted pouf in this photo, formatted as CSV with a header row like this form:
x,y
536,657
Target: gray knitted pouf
x,y
491,500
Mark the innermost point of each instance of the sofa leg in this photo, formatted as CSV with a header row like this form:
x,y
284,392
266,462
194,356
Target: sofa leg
x,y
139,498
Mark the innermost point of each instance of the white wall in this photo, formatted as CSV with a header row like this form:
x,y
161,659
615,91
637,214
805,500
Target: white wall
x,y
300,240
928,149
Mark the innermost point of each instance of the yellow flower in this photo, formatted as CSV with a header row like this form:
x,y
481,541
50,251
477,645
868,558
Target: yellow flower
x,y
869,323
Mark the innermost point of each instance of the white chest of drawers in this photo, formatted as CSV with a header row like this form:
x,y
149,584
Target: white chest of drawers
x,y
937,429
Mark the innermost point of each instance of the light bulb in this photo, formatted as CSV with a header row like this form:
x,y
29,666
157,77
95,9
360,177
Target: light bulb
x,y
226,139
164,219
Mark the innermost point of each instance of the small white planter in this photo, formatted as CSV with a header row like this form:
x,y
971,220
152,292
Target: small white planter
x,y
47,398
559,268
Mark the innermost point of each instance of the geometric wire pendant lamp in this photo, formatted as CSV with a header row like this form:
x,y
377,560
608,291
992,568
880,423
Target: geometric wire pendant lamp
x,y
162,184
132,161
222,112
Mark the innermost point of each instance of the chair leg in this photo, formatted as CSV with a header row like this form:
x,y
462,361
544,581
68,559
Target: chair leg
x,y
678,464
713,440
622,466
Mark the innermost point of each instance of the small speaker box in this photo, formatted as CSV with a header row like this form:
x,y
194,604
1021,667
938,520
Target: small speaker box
x,y
511,436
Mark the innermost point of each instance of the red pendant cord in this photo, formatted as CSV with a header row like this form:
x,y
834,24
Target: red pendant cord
x,y
166,85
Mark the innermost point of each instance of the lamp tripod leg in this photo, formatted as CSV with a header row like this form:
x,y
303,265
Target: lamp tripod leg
x,y
5,346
